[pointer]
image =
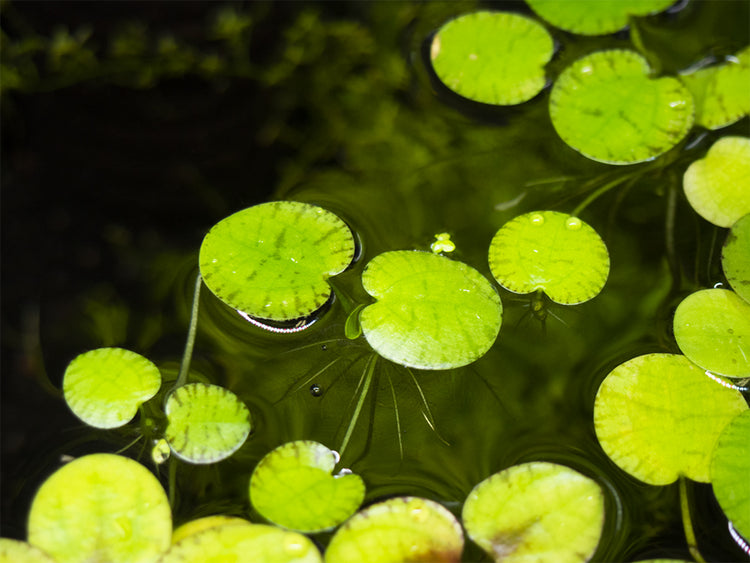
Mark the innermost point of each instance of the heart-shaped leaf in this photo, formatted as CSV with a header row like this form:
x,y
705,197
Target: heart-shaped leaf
x,y
596,106
735,257
536,510
431,312
492,57
272,261
718,186
712,328
207,423
658,416
101,507
594,18
730,469
292,486
243,542
399,529
551,251
105,387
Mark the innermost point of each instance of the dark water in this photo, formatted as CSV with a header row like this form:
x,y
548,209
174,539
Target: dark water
x,y
110,183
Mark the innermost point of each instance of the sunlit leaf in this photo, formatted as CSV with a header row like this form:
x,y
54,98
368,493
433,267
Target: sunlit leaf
x,y
105,387
272,261
492,57
594,17
200,524
658,416
596,106
101,507
718,186
293,487
207,423
431,312
15,551
399,529
730,470
712,328
735,257
536,511
551,251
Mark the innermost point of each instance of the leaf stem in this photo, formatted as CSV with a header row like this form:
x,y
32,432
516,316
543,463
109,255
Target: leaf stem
x,y
190,343
367,375
602,190
687,522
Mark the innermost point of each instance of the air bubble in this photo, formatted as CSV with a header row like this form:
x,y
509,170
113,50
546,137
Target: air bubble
x,y
316,390
537,219
293,545
573,223
419,514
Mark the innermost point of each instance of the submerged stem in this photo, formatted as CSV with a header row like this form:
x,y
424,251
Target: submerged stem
x,y
188,353
601,191
367,378
398,420
687,522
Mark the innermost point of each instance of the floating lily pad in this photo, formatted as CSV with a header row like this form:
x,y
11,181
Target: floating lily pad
x,y
597,107
492,57
536,511
243,542
207,423
101,507
729,472
14,551
292,486
431,312
597,17
658,417
272,261
399,529
735,257
200,524
720,91
718,186
712,328
105,387
551,251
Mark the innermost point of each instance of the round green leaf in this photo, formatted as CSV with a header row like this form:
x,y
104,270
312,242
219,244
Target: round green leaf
x,y
14,551
597,107
599,17
551,251
492,57
720,92
200,524
735,257
105,387
101,507
398,529
207,423
272,261
712,328
658,416
718,186
243,542
536,511
292,486
730,470
431,312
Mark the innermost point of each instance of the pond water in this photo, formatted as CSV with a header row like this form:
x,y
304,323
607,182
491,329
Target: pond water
x,y
112,179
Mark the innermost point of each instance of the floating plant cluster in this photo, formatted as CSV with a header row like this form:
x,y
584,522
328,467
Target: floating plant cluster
x,y
659,417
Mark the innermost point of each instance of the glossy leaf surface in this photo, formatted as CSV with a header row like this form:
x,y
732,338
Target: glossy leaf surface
x,y
598,17
194,526
729,472
735,257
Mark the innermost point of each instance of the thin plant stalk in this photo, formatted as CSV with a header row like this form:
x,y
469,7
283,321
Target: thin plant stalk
x,y
367,375
190,343
687,522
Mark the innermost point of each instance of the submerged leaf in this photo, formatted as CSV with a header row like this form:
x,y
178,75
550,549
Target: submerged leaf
x,y
431,312
730,470
596,106
551,251
492,57
735,257
658,416
292,486
597,17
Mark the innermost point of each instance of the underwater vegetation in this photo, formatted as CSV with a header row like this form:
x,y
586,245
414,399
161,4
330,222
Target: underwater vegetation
x,y
425,282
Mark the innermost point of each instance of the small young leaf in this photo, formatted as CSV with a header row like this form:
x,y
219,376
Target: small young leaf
x,y
292,486
658,416
272,261
207,423
536,510
101,507
718,186
596,106
712,328
399,529
105,387
492,57
735,257
729,472
551,251
431,312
